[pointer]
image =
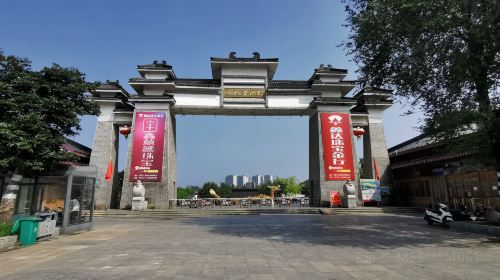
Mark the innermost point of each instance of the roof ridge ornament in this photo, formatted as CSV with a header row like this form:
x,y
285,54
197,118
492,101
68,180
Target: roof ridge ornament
x,y
232,55
115,82
163,62
256,56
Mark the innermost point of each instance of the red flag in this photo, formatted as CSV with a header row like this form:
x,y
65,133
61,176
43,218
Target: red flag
x,y
109,173
376,170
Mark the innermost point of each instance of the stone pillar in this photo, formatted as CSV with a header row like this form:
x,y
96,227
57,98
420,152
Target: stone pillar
x,y
157,193
104,149
320,187
375,147
315,151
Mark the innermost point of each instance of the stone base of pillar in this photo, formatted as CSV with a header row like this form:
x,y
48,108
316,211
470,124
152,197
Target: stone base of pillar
x,y
350,201
157,194
139,204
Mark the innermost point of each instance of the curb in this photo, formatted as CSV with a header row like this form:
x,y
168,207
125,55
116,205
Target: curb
x,y
475,227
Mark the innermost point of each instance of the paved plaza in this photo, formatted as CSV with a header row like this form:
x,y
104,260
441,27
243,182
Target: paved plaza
x,y
381,246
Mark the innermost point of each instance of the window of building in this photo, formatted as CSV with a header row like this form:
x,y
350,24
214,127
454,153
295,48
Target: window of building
x,y
25,196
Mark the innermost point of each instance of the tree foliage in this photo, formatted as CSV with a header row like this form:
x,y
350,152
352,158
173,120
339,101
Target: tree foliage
x,y
264,189
305,188
289,186
224,190
443,56
187,192
38,109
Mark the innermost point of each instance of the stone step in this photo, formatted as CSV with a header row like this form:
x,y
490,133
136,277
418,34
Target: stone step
x,y
207,212
213,212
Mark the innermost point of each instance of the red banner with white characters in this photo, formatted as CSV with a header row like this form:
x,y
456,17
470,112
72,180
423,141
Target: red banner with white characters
x,y
337,146
147,152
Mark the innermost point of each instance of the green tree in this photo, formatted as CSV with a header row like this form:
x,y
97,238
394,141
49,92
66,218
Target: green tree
x,y
224,190
38,109
186,192
204,192
289,186
305,188
442,56
264,189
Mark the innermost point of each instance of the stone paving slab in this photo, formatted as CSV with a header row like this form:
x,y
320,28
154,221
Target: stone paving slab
x,y
384,246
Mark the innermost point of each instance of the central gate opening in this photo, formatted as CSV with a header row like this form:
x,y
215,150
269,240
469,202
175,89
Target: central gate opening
x,y
253,150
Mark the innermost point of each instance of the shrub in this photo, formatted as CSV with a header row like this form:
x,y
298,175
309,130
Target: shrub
x,y
5,229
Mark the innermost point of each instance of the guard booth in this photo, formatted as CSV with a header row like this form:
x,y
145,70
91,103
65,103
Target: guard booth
x,y
80,197
69,199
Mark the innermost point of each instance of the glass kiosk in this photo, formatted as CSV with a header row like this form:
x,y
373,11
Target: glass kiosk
x,y
68,198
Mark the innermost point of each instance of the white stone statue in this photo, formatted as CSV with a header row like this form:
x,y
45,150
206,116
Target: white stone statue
x,y
349,191
139,201
349,187
139,190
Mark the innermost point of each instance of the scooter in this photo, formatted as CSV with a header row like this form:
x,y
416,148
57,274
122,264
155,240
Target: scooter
x,y
440,215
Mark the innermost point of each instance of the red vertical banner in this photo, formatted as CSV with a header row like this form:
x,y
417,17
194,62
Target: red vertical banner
x,y
337,146
147,152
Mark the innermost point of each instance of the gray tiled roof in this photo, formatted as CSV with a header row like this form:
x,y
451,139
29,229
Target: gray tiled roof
x,y
273,84
108,87
327,69
242,59
299,84
360,107
197,82
289,84
156,65
347,83
153,81
180,82
368,89
430,159
334,100
111,86
415,142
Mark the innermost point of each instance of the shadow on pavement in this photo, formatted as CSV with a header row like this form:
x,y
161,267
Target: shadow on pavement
x,y
366,231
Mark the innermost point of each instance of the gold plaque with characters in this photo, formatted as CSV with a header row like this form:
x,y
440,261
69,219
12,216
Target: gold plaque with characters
x,y
244,92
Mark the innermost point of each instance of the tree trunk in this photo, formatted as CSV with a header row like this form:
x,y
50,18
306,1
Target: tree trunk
x,y
495,138
8,202
488,115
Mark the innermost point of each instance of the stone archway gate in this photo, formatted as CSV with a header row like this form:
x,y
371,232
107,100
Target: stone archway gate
x,y
239,86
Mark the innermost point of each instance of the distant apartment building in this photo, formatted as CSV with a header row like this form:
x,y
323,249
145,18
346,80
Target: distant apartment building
x,y
250,185
269,179
246,182
231,180
257,180
242,181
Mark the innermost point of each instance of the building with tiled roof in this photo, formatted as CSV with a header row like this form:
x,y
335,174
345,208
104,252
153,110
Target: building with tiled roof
x,y
424,170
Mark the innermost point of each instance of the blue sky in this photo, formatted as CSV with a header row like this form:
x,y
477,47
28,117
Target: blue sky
x,y
107,39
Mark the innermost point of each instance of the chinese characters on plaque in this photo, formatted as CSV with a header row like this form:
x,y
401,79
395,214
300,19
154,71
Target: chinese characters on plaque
x,y
244,92
337,146
147,152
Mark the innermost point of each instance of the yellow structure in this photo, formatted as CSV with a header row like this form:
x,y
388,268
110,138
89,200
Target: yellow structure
x,y
213,193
